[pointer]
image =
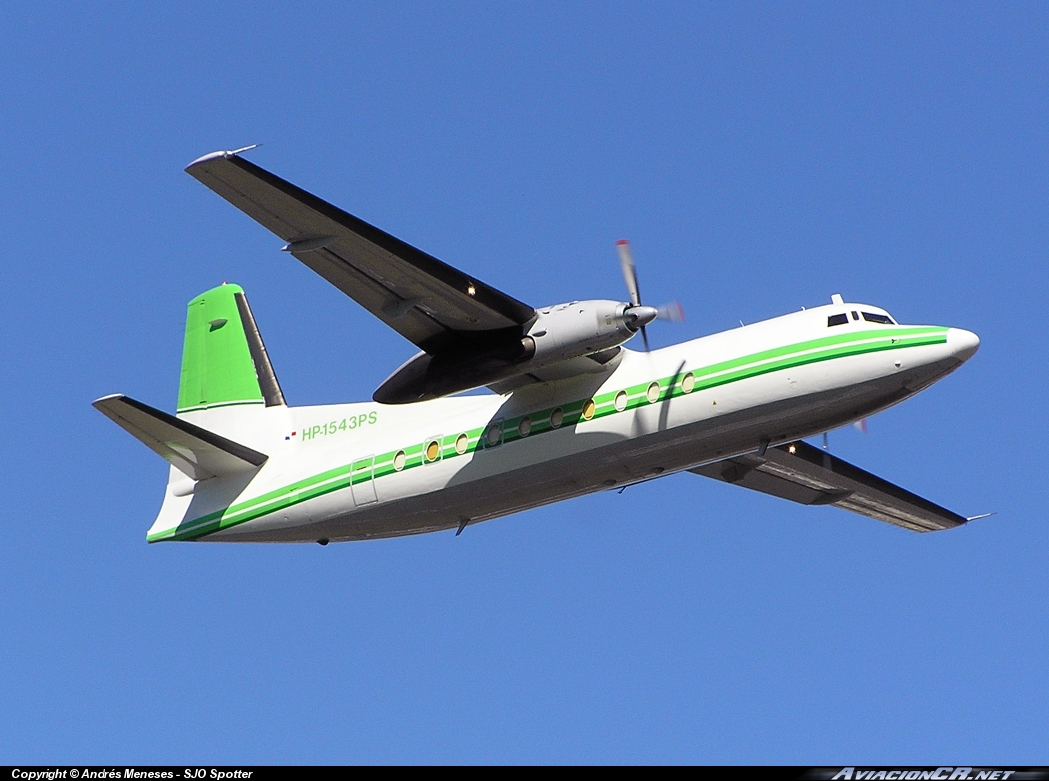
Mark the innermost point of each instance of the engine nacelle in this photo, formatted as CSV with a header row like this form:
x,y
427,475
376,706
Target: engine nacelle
x,y
559,333
577,329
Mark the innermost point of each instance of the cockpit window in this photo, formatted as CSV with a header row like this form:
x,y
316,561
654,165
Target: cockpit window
x,y
841,319
872,317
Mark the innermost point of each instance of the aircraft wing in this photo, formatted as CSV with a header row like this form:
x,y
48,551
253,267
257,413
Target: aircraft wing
x,y
807,475
438,308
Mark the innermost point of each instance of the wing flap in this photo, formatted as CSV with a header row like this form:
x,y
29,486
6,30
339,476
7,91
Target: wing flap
x,y
805,474
196,452
432,304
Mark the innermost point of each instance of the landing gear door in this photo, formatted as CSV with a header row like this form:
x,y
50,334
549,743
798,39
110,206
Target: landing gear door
x,y
362,475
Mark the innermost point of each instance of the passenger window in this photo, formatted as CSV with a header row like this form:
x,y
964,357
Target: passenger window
x,y
462,442
494,435
855,316
433,451
841,319
872,317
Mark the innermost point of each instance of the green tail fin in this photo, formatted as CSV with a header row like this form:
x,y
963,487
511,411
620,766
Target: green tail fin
x,y
224,362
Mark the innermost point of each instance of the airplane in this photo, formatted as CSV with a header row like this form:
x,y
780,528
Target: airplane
x,y
571,411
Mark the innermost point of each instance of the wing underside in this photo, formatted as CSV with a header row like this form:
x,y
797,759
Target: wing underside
x,y
433,305
807,475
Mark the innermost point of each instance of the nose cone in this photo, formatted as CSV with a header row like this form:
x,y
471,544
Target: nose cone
x,y
962,344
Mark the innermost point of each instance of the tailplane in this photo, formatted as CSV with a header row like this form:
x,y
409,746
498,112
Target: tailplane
x,y
196,452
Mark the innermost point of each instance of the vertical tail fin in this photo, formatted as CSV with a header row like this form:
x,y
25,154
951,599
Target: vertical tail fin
x,y
224,362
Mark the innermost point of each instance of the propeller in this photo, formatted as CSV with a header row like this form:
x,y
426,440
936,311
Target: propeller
x,y
638,315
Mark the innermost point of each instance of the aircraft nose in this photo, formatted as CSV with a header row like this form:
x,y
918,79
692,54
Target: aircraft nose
x,y
962,344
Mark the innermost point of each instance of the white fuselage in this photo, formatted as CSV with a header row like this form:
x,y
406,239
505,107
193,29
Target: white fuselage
x,y
362,471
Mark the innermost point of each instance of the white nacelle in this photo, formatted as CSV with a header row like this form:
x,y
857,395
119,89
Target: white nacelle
x,y
577,329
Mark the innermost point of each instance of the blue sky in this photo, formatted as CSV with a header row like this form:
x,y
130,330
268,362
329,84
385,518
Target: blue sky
x,y
760,158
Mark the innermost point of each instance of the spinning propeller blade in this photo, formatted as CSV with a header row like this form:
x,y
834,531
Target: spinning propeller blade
x,y
672,312
643,315
626,261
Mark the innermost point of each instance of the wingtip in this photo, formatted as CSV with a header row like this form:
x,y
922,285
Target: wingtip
x,y
206,158
110,397
223,153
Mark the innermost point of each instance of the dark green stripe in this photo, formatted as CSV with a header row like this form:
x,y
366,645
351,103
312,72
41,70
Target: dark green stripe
x,y
257,402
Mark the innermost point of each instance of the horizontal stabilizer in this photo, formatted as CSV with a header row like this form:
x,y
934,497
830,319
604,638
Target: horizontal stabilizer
x,y
194,451
807,475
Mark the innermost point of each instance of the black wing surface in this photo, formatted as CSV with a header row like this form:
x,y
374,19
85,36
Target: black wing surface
x,y
433,305
807,475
